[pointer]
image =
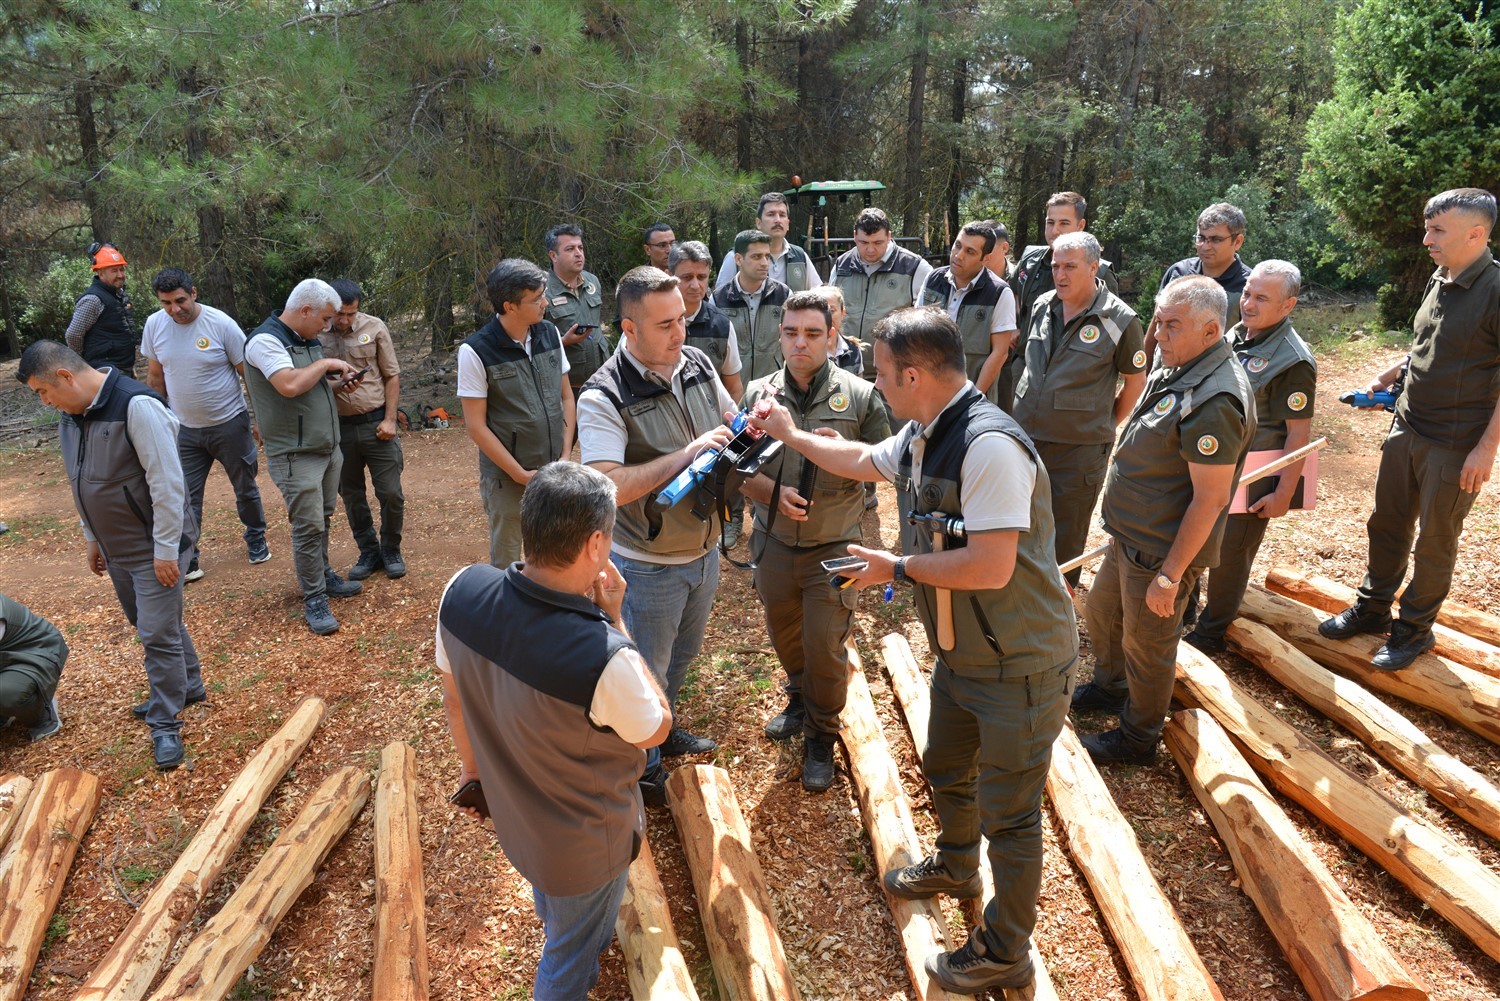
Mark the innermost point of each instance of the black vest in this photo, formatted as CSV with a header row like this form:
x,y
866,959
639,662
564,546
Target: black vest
x,y
112,340
709,332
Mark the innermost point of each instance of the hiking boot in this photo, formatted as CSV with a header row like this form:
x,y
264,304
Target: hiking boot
x,y
139,712
167,750
1205,644
338,587
680,742
1355,620
1112,747
787,723
319,619
1407,643
1090,698
817,765
395,566
971,969
194,572
257,550
654,786
49,723
928,878
367,564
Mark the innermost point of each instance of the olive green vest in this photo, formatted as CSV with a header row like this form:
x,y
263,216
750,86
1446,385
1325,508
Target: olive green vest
x,y
32,645
1149,486
1028,625
760,343
1264,359
841,401
289,425
870,298
564,309
655,424
524,404
798,266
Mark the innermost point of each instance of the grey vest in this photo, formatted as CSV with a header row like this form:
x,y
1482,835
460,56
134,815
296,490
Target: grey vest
x,y
1264,359
1149,487
798,266
760,343
290,425
562,791
976,313
1066,392
870,298
32,645
1024,628
523,407
709,332
564,309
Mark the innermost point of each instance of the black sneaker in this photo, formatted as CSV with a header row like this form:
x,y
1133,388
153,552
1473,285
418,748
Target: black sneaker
x,y
50,723
928,878
1113,748
168,751
1407,643
1353,621
788,723
1206,644
257,550
319,619
680,742
817,765
367,564
139,712
1090,698
971,969
395,566
338,587
194,572
654,787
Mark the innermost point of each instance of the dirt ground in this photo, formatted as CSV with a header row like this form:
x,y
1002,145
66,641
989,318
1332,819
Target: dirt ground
x,y
378,678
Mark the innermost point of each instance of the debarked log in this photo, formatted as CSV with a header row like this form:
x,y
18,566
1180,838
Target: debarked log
x,y
654,963
400,900
14,789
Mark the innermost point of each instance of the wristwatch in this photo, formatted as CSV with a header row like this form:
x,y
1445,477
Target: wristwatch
x,y
1166,583
900,571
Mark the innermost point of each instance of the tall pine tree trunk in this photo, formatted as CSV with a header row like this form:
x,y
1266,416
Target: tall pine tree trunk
x,y
914,112
100,219
215,284
742,120
955,165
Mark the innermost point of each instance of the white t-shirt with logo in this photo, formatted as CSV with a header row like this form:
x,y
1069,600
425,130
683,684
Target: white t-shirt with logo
x,y
198,360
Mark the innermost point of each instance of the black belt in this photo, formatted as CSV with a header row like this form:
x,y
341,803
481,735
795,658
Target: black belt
x,y
373,417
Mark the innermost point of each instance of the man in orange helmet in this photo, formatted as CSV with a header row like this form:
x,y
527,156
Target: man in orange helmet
x,y
102,330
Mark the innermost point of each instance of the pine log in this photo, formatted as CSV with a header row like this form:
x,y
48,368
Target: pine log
x,y
231,939
1462,694
1482,626
1432,865
400,917
14,789
739,920
1385,731
653,956
140,951
913,693
35,865
1331,596
1327,940
1156,949
887,816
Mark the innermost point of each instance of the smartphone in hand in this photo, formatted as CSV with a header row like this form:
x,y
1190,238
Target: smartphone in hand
x,y
471,795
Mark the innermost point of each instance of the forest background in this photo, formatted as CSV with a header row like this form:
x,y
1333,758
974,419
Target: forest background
x,y
412,143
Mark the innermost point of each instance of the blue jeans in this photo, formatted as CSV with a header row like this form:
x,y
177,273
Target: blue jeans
x,y
577,930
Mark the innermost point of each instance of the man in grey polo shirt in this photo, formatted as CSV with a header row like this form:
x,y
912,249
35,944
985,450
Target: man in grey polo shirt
x,y
194,351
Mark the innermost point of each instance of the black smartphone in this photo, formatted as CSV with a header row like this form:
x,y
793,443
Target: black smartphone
x,y
471,795
586,328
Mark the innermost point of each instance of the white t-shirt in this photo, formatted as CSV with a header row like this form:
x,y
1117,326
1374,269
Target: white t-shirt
x,y
198,362
601,430
267,354
998,475
472,380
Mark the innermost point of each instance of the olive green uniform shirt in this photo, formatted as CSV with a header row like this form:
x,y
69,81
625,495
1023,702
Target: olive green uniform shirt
x,y
568,306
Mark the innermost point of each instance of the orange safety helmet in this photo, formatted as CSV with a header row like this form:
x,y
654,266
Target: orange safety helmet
x,y
104,255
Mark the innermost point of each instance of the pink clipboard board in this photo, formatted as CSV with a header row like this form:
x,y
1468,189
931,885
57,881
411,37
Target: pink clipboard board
x,y
1306,497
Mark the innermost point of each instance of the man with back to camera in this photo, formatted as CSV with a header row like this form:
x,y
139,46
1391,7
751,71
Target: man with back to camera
x,y
367,433
709,329
647,413
1082,340
292,387
982,305
574,304
789,263
119,446
102,331
551,714
656,241
1441,447
517,400
1000,695
817,516
1166,500
1284,375
32,655
194,352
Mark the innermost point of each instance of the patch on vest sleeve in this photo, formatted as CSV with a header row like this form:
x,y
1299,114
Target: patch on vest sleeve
x,y
1089,334
1138,359
838,403
1297,401
1208,444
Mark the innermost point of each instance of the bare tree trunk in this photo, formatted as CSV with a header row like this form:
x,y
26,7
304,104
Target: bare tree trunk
x,y
10,343
214,280
742,120
955,165
89,156
439,297
1130,92
912,194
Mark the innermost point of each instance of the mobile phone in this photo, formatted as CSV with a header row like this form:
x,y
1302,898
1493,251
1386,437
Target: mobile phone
x,y
471,795
586,328
845,563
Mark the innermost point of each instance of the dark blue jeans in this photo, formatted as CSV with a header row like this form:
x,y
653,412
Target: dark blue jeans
x,y
233,446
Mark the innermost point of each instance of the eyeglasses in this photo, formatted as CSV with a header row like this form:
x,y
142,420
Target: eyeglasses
x,y
660,244
539,301
1212,240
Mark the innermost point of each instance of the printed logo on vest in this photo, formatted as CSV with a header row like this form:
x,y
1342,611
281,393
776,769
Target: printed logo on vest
x,y
838,403
1138,359
1165,404
1256,365
1208,444
1089,334
1297,401
364,338
202,343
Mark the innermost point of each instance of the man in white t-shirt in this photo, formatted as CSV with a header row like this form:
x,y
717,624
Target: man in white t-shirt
x,y
194,351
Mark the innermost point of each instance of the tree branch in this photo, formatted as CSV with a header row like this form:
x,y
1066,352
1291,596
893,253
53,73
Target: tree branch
x,y
336,15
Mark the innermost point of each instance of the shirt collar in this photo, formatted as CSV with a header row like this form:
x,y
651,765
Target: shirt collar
x,y
962,392
1466,277
749,295
651,375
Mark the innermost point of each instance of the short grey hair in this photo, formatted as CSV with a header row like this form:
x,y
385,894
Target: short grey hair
x,y
1079,240
1291,277
564,504
314,293
1204,297
688,250
1222,214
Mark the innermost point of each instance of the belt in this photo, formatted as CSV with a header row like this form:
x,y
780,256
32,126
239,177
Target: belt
x,y
373,417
